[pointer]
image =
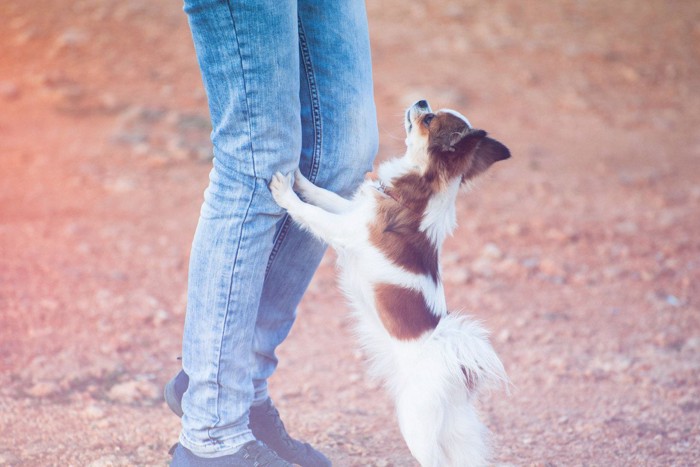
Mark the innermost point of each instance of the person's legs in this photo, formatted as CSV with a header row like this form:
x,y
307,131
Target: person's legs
x,y
262,119
339,142
249,59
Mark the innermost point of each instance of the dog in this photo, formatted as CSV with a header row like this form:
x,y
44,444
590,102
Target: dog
x,y
388,238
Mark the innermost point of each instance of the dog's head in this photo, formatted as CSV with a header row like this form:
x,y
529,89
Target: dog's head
x,y
445,147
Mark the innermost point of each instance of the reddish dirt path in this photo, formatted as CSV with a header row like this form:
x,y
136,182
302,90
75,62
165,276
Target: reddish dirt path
x,y
581,253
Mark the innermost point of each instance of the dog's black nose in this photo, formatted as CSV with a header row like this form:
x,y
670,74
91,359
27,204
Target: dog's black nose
x,y
422,104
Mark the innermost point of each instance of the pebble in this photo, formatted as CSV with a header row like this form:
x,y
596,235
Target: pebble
x,y
69,39
457,275
504,336
93,412
120,185
43,389
556,235
483,267
7,458
551,268
514,230
132,391
674,301
627,228
531,263
510,267
110,461
491,251
110,103
160,317
9,91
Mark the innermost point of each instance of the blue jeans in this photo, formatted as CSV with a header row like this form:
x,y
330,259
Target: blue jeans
x,y
289,85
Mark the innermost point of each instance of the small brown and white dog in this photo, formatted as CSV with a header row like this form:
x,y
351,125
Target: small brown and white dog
x,y
388,238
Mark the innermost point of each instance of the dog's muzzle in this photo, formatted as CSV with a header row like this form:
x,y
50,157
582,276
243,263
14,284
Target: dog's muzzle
x,y
419,108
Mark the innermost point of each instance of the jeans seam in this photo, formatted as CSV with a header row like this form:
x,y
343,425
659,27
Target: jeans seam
x,y
318,136
245,88
240,235
287,222
228,301
315,102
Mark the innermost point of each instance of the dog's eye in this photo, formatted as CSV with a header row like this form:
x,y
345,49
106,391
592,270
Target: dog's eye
x,y
427,119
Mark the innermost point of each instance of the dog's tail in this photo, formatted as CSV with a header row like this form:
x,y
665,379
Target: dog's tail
x,y
436,390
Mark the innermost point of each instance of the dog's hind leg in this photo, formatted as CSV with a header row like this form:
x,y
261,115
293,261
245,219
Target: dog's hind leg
x,y
320,197
420,419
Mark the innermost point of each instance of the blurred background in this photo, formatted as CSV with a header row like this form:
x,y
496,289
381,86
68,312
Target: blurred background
x,y
581,253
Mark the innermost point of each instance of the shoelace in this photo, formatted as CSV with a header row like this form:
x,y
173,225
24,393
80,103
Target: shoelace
x,y
279,426
269,422
262,455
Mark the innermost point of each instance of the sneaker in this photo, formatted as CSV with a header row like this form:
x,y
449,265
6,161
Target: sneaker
x,y
265,423
251,454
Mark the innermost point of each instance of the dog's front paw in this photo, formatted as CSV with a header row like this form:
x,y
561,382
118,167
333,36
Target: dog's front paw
x,y
281,188
302,185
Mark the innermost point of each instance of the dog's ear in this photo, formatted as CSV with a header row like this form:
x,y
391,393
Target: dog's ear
x,y
462,142
487,152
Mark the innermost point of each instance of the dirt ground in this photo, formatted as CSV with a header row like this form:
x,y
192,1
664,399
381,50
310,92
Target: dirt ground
x,y
581,253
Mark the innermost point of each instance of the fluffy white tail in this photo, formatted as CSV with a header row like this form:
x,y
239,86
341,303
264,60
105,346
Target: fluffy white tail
x,y
436,384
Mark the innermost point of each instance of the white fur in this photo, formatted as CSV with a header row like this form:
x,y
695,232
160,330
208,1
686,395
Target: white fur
x,y
434,405
440,217
458,115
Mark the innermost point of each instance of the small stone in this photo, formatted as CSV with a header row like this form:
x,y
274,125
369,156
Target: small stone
x,y
692,344
612,272
120,185
457,275
513,229
110,461
43,389
556,235
673,301
110,103
9,90
93,412
160,317
509,266
483,267
531,263
627,228
629,74
551,268
7,458
132,391
491,251
572,100
504,336
69,39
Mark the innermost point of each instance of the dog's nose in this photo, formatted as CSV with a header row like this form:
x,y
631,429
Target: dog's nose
x,y
422,104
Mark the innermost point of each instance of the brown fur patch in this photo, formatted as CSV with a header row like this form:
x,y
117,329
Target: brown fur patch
x,y
396,229
456,150
403,311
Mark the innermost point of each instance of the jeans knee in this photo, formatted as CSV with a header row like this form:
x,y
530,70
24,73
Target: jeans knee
x,y
353,155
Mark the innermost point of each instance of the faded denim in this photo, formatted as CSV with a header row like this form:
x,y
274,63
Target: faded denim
x,y
289,84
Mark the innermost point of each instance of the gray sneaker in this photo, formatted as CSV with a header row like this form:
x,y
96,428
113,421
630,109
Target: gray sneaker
x,y
252,454
265,423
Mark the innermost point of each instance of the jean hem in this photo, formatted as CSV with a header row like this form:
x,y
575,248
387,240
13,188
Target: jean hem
x,y
219,448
